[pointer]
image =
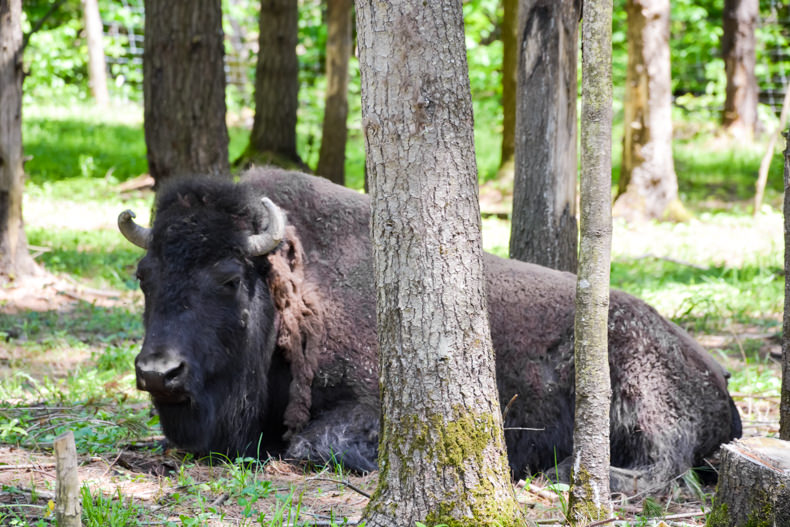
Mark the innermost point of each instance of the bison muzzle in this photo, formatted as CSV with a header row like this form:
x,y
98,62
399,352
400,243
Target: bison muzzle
x,y
260,338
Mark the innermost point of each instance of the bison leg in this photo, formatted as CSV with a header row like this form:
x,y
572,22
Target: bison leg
x,y
347,435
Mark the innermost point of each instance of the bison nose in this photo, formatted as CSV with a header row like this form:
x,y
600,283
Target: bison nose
x,y
163,373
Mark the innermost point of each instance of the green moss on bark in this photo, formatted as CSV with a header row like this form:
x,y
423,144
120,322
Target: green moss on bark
x,y
457,444
581,507
762,514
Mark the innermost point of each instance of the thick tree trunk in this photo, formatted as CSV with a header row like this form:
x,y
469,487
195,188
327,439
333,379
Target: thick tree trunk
x,y
441,454
544,228
332,157
97,66
648,184
784,405
509,86
273,137
15,262
754,484
589,498
737,48
184,89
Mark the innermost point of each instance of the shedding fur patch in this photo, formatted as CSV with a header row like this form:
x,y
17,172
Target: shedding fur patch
x,y
301,330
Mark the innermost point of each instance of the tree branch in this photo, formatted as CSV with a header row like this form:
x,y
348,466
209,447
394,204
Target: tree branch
x,y
41,21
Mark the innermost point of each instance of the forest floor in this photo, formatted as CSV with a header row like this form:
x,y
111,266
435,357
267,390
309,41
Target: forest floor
x,y
131,482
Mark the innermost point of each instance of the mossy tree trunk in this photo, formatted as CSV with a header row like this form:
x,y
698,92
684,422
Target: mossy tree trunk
x,y
509,83
648,184
544,227
589,495
184,89
332,157
273,136
15,261
442,455
784,405
738,50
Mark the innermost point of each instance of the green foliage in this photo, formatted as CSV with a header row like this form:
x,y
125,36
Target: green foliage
x,y
102,511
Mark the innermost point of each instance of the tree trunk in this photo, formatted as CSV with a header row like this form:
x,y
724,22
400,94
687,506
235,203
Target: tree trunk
x,y
589,497
754,484
648,184
332,157
273,137
15,262
442,454
784,405
509,86
184,89
97,66
737,48
68,505
544,228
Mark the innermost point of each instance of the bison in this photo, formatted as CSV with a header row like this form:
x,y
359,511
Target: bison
x,y
260,338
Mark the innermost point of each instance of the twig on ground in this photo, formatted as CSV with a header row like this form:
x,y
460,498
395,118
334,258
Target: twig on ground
x,y
114,461
27,467
342,482
220,500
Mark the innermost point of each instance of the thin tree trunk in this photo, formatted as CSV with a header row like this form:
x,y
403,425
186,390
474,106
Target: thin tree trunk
x,y
544,228
784,406
273,137
332,157
97,66
648,184
184,89
15,262
442,453
765,162
589,496
509,86
738,50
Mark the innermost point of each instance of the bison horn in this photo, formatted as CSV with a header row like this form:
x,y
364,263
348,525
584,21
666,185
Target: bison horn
x,y
139,236
263,243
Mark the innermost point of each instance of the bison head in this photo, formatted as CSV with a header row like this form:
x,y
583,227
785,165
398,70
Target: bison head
x,y
209,315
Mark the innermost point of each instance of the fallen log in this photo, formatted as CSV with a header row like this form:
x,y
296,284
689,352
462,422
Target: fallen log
x,y
754,484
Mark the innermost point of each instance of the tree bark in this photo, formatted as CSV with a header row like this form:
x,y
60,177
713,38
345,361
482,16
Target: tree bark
x,y
784,405
754,484
544,227
67,504
273,137
589,495
648,184
441,454
184,89
97,66
332,157
509,86
738,50
15,262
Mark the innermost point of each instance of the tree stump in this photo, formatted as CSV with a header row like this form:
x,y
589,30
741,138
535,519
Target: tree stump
x,y
67,502
754,484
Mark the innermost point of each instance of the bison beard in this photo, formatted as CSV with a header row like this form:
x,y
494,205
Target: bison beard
x,y
274,351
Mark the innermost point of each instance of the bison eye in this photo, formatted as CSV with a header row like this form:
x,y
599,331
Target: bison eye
x,y
232,283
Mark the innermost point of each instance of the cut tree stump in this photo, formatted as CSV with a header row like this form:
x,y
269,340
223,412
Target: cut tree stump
x,y
754,484
67,489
